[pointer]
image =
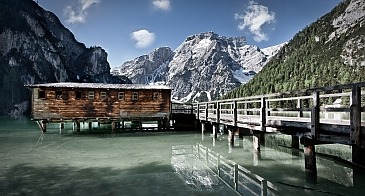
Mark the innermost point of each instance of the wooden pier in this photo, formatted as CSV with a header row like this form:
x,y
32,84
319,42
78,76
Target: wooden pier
x,y
316,116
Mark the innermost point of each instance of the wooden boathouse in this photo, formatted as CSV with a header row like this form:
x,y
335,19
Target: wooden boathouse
x,y
102,103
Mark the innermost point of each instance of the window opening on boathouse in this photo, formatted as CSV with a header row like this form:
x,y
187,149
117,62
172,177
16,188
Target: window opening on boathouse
x,y
135,96
103,95
41,94
120,95
91,95
58,94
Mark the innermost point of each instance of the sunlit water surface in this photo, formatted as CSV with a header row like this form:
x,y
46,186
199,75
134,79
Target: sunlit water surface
x,y
91,163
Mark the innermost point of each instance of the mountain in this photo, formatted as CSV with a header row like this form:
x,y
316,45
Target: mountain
x,y
204,67
36,48
328,52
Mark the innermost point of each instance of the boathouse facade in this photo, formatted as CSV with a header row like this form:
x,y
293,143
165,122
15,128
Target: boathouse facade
x,y
82,102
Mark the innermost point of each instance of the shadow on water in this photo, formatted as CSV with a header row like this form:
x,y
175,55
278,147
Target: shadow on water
x,y
149,179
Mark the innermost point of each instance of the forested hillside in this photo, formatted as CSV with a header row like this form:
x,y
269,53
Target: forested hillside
x,y
328,52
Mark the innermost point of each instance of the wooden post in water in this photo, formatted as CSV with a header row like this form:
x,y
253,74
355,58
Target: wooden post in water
x,y
230,136
159,124
42,125
203,127
90,125
215,130
256,142
295,145
113,126
77,124
295,142
310,162
62,126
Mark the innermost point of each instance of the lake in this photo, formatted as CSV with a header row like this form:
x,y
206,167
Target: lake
x,y
95,163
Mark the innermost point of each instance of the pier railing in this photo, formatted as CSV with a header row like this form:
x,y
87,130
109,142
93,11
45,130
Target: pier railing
x,y
335,111
236,176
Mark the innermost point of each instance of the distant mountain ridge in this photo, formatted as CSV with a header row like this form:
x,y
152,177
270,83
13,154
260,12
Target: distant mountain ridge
x,y
328,52
36,48
204,67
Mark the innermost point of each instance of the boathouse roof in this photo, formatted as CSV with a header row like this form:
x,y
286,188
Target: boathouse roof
x,y
98,86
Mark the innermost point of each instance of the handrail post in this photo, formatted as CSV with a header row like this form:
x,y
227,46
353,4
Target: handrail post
x,y
315,115
218,164
198,111
355,115
299,106
206,111
218,112
263,114
264,188
235,177
235,113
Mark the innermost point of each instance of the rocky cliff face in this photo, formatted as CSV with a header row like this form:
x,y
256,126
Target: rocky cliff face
x,y
36,48
204,67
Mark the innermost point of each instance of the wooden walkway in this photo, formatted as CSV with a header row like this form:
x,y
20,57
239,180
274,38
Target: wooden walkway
x,y
317,116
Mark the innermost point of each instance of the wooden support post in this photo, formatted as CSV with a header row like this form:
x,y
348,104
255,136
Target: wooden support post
x,y
77,126
203,127
123,125
62,126
42,125
113,126
140,124
310,162
295,142
315,115
295,146
230,137
355,116
358,155
215,130
90,125
256,142
159,125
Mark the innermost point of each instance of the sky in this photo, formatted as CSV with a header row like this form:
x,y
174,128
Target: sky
x,y
127,29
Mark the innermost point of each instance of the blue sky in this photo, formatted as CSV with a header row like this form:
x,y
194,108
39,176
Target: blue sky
x,y
130,28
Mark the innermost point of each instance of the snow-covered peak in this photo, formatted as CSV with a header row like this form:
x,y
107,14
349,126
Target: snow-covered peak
x,y
204,67
272,50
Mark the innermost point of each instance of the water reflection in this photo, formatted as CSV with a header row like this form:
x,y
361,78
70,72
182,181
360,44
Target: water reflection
x,y
285,165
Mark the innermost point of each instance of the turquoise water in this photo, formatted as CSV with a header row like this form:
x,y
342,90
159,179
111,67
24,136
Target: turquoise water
x,y
89,163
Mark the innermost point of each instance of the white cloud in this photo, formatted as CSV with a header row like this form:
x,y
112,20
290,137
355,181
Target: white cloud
x,y
78,15
162,4
143,38
86,4
254,18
